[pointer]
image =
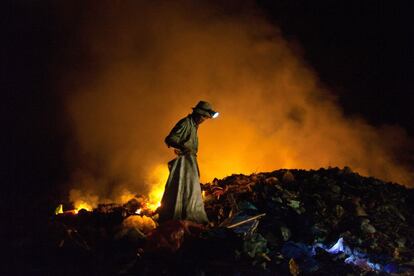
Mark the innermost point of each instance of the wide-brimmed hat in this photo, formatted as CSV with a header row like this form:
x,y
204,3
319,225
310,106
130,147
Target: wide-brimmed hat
x,y
205,108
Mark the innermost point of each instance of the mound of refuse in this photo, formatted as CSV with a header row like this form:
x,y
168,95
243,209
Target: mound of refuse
x,y
326,220
287,222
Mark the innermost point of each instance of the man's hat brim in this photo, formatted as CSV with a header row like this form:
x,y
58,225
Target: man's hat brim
x,y
208,113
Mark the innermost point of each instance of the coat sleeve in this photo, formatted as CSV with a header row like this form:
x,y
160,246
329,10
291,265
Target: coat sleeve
x,y
178,136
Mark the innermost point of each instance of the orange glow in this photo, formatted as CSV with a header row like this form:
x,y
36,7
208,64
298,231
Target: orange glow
x,y
82,205
83,200
274,110
156,181
125,197
59,209
143,223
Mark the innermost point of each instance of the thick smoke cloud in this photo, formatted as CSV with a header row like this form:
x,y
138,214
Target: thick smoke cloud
x,y
148,62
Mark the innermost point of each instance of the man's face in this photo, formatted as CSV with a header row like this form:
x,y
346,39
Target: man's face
x,y
200,118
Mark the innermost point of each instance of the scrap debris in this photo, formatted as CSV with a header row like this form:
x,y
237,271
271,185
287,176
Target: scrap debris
x,y
288,222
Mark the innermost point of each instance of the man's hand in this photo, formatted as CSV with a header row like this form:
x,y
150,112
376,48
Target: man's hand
x,y
177,152
182,151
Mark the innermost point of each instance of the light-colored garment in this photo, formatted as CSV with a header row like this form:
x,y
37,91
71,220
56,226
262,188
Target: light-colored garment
x,y
182,198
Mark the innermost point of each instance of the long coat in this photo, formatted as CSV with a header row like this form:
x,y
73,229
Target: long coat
x,y
182,195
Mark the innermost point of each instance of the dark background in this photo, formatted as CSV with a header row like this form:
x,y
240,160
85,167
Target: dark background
x,y
362,51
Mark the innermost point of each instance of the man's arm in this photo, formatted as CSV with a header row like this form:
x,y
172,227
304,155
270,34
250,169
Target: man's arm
x,y
178,136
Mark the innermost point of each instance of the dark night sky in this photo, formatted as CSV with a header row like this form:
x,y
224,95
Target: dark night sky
x,y
362,50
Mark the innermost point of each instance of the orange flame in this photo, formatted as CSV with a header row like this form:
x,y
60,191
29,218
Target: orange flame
x,y
59,209
156,179
79,205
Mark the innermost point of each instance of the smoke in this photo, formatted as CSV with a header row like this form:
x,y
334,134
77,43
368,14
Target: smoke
x,y
146,63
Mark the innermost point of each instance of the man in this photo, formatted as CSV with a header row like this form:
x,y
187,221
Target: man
x,y
182,195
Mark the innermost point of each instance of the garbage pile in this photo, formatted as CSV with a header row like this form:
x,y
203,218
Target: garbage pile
x,y
287,222
316,221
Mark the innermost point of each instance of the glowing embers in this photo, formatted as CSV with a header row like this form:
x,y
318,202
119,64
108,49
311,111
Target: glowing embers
x,y
77,208
137,205
145,206
82,206
59,209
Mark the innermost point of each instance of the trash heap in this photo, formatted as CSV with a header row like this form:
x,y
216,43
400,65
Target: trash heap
x,y
319,220
287,222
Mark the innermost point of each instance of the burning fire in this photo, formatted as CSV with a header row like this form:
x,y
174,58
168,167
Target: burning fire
x,y
79,205
156,179
83,200
59,209
82,205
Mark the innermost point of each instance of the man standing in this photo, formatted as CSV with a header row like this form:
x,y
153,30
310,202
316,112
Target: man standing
x,y
182,195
